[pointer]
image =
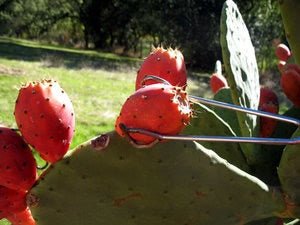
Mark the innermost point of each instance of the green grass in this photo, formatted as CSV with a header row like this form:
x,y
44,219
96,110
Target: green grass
x,y
97,95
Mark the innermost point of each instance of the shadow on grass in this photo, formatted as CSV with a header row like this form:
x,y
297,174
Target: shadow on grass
x,y
69,58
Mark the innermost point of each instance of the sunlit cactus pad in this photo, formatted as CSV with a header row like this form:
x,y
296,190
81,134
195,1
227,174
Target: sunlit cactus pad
x,y
241,72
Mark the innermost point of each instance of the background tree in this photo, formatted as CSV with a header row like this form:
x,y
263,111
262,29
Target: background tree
x,y
191,25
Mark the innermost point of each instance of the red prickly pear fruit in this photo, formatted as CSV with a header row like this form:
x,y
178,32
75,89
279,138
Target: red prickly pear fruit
x,y
291,66
11,202
164,63
267,96
22,218
267,125
279,221
158,108
281,65
46,119
17,164
282,52
217,81
290,83
268,102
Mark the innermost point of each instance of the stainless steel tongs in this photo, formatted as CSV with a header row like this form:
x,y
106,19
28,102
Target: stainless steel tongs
x,y
256,140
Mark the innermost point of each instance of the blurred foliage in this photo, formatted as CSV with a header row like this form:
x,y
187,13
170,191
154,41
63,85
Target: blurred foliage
x,y
266,29
190,25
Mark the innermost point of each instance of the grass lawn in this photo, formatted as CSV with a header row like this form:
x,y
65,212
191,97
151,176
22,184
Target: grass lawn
x,y
97,94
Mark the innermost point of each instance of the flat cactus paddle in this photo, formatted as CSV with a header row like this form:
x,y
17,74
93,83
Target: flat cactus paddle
x,y
242,73
174,182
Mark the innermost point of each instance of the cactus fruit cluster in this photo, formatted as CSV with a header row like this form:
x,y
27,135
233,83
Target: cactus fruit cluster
x,y
17,175
45,118
108,180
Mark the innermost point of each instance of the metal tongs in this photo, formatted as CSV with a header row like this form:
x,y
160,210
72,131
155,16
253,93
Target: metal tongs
x,y
195,99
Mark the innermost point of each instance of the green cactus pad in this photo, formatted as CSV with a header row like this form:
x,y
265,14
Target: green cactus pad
x,y
286,130
289,173
171,183
242,72
207,122
290,14
272,153
224,95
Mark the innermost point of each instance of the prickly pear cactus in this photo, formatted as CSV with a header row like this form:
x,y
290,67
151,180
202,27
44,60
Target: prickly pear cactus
x,y
109,181
242,72
172,183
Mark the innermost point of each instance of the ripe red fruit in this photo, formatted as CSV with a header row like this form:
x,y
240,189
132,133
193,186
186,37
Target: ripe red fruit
x,y
22,218
282,52
281,65
217,81
290,83
267,125
279,221
267,96
268,102
291,66
158,108
11,202
45,117
164,63
17,164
